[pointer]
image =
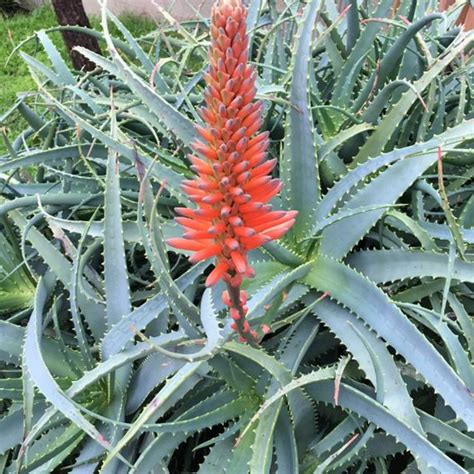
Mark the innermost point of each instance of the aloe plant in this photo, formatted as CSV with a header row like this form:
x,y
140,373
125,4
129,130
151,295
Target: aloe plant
x,y
129,363
16,285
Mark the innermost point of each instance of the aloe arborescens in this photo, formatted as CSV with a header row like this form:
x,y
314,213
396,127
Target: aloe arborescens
x,y
233,186
387,355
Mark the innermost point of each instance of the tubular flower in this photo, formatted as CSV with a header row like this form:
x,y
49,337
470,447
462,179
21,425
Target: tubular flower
x,y
233,185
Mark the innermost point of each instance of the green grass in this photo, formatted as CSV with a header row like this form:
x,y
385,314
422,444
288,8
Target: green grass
x,y
14,76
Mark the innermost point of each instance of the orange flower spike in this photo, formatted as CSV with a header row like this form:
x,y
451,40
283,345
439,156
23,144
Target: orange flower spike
x,y
233,183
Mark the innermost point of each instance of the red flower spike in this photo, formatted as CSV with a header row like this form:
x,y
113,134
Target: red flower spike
x,y
226,299
217,274
234,314
233,183
205,253
265,328
186,244
239,262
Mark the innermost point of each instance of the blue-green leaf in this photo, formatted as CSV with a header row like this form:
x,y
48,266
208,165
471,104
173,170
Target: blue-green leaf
x,y
383,266
369,302
299,166
40,374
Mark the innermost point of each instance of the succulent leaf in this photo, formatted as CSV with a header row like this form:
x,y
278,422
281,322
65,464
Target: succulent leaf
x,y
359,338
